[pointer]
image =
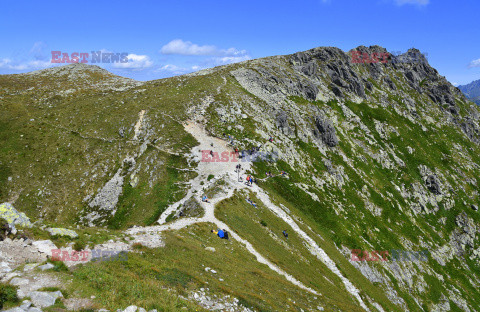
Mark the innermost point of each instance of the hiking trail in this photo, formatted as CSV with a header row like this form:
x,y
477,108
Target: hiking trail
x,y
226,171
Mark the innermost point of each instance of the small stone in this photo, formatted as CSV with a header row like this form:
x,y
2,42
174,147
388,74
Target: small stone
x,y
47,266
4,267
44,246
475,207
212,249
21,294
16,309
18,281
30,267
33,309
43,299
213,271
131,308
141,310
26,304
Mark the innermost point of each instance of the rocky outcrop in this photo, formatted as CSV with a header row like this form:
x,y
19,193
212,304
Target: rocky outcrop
x,y
14,217
62,232
433,184
464,235
281,121
325,130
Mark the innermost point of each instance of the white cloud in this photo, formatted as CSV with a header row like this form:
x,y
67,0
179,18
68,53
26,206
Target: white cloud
x,y
7,63
172,69
135,62
180,47
474,63
415,2
231,59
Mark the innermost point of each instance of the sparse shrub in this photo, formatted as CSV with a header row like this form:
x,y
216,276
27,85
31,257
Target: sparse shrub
x,y
210,176
263,223
59,266
137,246
79,246
8,294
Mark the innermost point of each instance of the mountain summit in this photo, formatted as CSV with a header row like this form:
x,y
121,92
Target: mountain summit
x,y
472,91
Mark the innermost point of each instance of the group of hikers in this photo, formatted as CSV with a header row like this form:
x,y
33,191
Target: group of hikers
x,y
221,233
270,175
250,180
205,199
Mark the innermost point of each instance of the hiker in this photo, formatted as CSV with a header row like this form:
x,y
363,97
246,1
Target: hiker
x,y
221,233
205,199
285,234
271,140
211,153
251,202
283,173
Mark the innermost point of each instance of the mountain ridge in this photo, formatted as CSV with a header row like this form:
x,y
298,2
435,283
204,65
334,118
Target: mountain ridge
x,y
366,156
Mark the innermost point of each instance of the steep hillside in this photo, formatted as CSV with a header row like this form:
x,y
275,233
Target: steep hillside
x,y
472,91
378,157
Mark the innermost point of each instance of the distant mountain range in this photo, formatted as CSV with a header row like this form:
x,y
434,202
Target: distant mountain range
x,y
472,91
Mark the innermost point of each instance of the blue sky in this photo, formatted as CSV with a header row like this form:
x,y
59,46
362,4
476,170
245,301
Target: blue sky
x,y
166,38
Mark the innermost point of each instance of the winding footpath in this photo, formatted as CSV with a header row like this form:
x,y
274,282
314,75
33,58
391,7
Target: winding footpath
x,y
226,171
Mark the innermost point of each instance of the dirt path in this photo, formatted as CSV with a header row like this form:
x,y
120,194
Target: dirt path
x,y
309,242
226,171
221,170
